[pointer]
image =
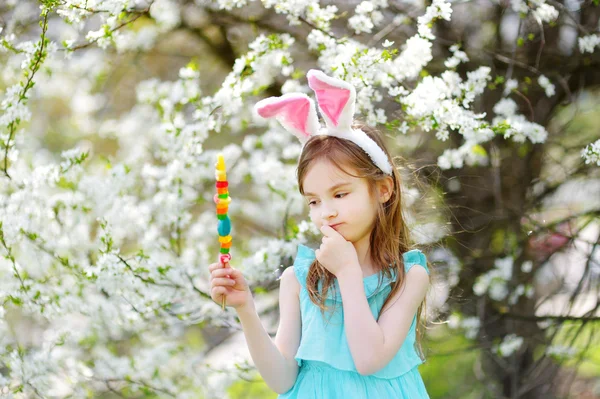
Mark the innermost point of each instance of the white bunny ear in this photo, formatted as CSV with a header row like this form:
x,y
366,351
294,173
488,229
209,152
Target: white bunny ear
x,y
295,111
335,98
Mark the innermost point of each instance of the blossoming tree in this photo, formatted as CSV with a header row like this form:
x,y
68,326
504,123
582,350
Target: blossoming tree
x,y
107,171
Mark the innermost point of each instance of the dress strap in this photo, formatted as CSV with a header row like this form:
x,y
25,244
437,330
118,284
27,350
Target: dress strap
x,y
304,258
415,257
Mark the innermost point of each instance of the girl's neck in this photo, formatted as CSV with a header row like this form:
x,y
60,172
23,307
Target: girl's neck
x,y
364,256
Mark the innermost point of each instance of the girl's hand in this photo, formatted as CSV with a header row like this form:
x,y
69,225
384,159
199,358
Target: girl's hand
x,y
335,253
225,280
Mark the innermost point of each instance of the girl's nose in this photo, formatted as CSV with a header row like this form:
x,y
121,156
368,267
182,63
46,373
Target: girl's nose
x,y
327,213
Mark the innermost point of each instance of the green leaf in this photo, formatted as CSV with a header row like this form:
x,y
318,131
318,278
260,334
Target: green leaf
x,y
15,300
281,193
523,150
292,228
479,150
64,183
260,290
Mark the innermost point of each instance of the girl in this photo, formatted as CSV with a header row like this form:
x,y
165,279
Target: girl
x,y
349,311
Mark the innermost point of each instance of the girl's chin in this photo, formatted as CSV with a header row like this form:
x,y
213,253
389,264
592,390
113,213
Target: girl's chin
x,y
343,234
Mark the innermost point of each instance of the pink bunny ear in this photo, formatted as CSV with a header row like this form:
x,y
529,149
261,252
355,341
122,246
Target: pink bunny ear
x,y
295,111
335,98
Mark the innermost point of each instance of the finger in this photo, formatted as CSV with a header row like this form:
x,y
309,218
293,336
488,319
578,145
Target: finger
x,y
218,292
327,230
223,281
214,266
221,272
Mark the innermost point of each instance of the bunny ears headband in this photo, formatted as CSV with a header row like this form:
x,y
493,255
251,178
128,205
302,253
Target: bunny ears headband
x,y
336,98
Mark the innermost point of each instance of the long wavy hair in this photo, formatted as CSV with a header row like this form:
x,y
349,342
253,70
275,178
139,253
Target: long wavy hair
x,y
390,237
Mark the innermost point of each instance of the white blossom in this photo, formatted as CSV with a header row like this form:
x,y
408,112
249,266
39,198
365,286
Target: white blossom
x,y
231,4
591,153
111,226
471,326
546,85
509,86
545,13
495,281
438,9
509,345
321,17
366,16
166,13
587,44
519,6
458,56
561,351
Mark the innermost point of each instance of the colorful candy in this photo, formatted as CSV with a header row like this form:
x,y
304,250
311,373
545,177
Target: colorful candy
x,y
222,200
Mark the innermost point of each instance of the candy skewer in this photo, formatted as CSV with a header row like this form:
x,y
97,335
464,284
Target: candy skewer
x,y
222,200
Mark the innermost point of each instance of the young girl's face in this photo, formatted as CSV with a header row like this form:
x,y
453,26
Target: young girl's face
x,y
339,200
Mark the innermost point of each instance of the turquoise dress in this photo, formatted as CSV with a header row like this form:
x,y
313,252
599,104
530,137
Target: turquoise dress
x,y
327,370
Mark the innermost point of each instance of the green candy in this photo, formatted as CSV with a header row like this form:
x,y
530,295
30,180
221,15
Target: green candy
x,y
224,250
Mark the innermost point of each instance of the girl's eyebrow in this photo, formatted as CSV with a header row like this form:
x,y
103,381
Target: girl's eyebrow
x,y
331,188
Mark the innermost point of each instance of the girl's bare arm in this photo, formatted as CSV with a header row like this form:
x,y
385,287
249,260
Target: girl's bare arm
x,y
374,343
275,358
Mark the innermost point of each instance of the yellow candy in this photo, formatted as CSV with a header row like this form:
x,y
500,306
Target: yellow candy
x,y
225,239
221,175
224,201
220,162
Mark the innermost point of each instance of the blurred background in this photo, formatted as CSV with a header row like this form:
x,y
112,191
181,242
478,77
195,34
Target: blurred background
x,y
113,113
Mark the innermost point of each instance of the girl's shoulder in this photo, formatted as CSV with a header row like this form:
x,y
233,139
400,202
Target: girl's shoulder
x,y
304,258
288,281
414,257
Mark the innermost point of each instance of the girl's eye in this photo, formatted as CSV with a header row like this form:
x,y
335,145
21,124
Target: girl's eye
x,y
314,202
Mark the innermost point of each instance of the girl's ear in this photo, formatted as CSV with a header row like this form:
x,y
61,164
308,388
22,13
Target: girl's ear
x,y
386,189
336,99
295,111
